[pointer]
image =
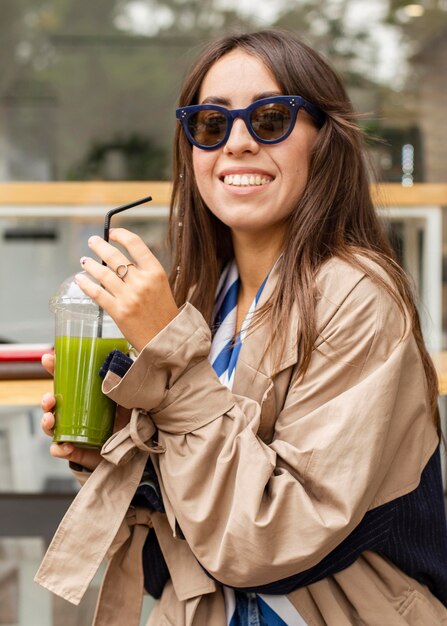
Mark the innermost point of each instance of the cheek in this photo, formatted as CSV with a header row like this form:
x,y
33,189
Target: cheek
x,y
202,163
296,171
301,160
300,149
203,167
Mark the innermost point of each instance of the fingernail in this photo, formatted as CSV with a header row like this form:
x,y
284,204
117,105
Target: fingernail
x,y
68,448
47,396
83,260
78,278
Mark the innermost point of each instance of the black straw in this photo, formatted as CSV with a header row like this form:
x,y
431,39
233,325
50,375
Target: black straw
x,y
124,207
107,219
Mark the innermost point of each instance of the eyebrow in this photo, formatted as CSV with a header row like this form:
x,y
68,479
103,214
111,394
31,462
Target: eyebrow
x,y
225,102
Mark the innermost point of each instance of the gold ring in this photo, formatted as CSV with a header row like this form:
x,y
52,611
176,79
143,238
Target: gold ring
x,y
122,269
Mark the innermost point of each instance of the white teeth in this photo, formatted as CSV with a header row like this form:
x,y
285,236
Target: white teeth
x,y
246,179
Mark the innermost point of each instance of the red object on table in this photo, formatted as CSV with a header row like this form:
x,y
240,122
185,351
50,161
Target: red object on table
x,y
22,360
23,351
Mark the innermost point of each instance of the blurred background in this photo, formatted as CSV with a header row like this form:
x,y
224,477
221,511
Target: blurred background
x,y
87,90
87,98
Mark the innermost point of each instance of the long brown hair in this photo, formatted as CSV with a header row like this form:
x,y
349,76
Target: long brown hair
x,y
334,216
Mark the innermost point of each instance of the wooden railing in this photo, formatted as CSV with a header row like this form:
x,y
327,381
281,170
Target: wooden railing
x,y
85,193
89,193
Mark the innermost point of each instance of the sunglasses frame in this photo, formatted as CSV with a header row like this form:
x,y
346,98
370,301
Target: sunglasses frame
x,y
293,103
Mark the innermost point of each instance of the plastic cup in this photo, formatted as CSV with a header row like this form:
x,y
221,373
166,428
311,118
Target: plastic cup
x,y
84,336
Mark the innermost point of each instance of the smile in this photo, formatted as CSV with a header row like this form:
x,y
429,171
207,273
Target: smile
x,y
246,180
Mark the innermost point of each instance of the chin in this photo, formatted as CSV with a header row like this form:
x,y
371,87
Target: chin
x,y
241,225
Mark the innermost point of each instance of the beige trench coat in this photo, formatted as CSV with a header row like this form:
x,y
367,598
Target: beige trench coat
x,y
263,481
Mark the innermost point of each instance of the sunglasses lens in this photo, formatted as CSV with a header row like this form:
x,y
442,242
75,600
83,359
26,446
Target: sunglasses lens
x,y
271,121
207,127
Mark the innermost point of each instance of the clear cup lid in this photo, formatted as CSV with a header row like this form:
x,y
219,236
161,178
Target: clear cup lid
x,y
70,295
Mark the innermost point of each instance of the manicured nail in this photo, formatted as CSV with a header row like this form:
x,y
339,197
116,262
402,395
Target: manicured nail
x,y
83,260
68,448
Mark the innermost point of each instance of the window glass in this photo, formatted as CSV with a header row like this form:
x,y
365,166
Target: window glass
x,y
88,90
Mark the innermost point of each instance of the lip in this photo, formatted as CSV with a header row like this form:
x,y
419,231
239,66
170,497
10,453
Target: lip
x,y
231,171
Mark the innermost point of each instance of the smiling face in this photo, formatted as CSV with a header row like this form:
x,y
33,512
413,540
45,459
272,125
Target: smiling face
x,y
251,187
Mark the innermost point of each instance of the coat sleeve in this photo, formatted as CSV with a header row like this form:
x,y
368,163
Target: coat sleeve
x,y
254,513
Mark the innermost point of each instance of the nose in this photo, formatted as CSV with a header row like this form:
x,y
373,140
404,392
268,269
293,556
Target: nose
x,y
240,140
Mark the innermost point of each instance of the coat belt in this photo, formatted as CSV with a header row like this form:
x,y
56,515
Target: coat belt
x,y
121,594
99,522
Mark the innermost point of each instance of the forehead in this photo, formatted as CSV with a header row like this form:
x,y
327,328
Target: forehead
x,y
237,75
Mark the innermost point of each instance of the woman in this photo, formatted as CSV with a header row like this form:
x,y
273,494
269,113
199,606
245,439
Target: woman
x,y
296,446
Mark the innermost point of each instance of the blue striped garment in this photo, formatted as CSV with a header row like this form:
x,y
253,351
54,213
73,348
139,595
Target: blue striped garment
x,y
242,608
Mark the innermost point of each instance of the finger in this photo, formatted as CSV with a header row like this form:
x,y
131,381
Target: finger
x,y
47,402
108,253
134,244
96,292
61,450
48,361
103,274
89,459
47,424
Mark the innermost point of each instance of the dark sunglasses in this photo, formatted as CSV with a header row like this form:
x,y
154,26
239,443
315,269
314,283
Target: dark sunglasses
x,y
268,121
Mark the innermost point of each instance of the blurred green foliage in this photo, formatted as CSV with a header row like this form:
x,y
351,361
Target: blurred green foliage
x,y
94,80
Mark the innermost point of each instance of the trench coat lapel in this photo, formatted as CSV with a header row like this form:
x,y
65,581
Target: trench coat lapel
x,y
254,374
254,371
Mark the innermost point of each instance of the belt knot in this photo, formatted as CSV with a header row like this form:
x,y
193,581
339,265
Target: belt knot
x,y
137,515
123,445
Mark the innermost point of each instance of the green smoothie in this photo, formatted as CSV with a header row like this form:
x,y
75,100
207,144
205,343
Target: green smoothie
x,y
84,415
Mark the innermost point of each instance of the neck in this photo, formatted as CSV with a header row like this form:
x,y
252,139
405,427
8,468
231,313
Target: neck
x,y
255,256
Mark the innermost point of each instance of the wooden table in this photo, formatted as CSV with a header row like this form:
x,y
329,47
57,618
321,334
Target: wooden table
x,y
23,392
440,361
29,392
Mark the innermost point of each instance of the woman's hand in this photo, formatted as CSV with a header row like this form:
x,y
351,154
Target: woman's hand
x,y
89,459
141,303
